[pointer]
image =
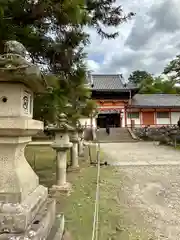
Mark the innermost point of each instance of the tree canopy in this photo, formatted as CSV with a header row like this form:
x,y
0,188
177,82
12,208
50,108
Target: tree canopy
x,y
53,33
45,26
173,69
138,77
149,84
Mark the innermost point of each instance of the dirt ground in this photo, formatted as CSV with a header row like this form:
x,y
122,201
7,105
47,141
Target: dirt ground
x,y
152,190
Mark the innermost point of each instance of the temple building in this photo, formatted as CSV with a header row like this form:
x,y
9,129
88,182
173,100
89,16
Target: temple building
x,y
112,95
120,105
154,109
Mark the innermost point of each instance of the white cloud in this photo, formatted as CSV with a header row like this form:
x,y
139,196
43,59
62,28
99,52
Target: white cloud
x,y
148,42
93,66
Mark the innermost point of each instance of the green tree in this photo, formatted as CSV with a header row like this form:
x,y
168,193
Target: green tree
x,y
105,13
53,33
149,84
173,69
165,86
40,25
89,108
140,77
159,85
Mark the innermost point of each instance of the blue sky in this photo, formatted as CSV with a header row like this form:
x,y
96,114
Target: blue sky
x,y
148,42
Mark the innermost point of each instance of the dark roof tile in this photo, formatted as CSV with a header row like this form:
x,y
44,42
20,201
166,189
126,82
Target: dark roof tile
x,y
109,82
156,100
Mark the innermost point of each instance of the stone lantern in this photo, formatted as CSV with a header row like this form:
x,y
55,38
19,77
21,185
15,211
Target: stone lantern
x,y
26,212
74,150
80,130
61,145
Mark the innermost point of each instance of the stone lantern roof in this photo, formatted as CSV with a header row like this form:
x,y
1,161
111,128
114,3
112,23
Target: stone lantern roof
x,y
14,68
61,125
79,127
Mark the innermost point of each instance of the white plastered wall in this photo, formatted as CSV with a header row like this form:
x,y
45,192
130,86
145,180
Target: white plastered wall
x,y
136,120
123,118
87,122
175,117
162,121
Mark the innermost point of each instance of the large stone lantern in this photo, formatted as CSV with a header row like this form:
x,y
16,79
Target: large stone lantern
x,y
26,212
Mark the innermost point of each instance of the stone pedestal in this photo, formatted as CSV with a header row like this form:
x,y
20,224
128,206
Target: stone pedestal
x,y
61,145
80,142
25,210
87,152
74,151
80,148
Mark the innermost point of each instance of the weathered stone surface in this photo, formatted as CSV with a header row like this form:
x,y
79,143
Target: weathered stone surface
x,y
74,156
63,188
80,148
25,210
16,217
40,227
74,137
165,134
57,231
17,179
15,68
74,150
87,152
61,145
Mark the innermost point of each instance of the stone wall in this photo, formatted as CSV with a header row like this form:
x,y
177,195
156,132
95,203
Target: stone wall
x,y
166,134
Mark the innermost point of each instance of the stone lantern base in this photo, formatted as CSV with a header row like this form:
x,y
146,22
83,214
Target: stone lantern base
x,y
41,227
65,188
73,169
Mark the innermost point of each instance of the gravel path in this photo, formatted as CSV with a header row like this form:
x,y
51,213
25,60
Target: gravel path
x,y
141,153
153,189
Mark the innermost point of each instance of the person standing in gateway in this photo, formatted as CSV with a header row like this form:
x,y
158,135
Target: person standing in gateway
x,y
107,126
178,123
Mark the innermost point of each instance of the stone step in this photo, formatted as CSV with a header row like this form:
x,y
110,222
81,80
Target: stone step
x,y
116,135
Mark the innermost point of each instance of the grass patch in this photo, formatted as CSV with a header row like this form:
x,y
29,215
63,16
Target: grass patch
x,y
177,147
115,219
42,160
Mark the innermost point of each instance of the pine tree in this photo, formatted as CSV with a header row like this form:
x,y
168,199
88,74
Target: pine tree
x,y
53,33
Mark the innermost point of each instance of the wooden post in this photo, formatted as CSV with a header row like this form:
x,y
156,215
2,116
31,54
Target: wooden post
x,y
170,119
175,142
155,117
125,116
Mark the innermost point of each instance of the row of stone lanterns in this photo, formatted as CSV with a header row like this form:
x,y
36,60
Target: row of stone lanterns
x,y
26,211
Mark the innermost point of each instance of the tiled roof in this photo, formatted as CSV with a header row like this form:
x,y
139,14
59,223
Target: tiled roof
x,y
156,100
109,82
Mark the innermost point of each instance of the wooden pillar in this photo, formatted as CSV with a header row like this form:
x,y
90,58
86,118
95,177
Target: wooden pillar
x,y
140,115
125,116
170,116
155,116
